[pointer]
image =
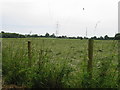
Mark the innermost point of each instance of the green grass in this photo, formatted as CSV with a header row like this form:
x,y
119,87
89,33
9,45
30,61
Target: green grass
x,y
59,63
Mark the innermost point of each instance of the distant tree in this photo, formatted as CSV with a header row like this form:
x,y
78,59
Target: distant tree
x,y
2,32
94,37
79,37
101,38
53,35
28,35
117,36
12,35
47,35
34,35
64,37
59,37
111,38
85,37
106,37
72,37
41,36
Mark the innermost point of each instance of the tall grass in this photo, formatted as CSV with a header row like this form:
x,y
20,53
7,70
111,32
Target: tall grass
x,y
59,63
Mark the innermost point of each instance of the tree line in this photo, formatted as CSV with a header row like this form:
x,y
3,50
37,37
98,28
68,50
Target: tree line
x,y
47,35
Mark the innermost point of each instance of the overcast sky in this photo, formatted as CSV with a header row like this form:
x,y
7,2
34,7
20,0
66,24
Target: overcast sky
x,y
74,17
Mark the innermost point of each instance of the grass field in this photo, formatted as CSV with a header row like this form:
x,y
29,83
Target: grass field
x,y
59,63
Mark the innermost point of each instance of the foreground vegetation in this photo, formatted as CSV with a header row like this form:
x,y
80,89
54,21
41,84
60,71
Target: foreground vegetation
x,y
59,63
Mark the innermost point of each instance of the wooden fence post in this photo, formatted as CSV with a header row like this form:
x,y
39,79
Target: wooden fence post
x,y
29,52
90,57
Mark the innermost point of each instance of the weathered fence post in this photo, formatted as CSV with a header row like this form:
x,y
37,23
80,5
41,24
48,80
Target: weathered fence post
x,y
90,58
29,52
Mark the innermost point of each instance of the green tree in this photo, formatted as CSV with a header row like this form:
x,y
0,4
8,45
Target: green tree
x,y
53,35
47,35
117,36
106,37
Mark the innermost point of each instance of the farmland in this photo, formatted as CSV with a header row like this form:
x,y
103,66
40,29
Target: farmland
x,y
59,63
